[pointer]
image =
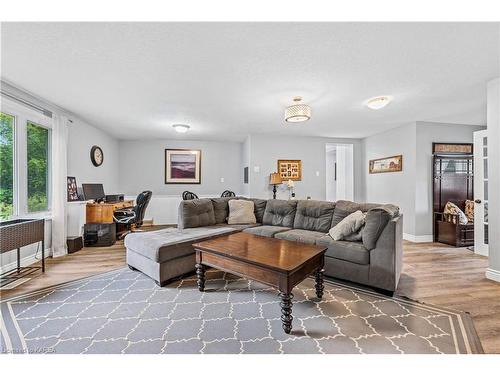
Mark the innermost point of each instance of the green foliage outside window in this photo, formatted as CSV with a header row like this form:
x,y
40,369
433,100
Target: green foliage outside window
x,y
38,167
6,166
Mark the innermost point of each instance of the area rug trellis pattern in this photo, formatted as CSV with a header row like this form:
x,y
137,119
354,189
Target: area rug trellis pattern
x,y
126,312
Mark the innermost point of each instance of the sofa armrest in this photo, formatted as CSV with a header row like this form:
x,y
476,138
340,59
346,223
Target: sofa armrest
x,y
386,260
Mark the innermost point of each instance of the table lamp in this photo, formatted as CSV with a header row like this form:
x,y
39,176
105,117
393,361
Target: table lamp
x,y
274,179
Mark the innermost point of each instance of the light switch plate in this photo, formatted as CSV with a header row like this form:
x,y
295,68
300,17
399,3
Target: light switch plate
x,y
256,169
222,179
317,173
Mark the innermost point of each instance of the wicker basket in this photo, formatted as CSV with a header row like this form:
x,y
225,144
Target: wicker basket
x,y
20,232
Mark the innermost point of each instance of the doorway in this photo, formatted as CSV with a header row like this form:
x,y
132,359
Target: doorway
x,y
339,171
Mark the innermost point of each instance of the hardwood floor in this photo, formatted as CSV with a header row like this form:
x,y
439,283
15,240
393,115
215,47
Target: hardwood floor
x,y
432,273
453,277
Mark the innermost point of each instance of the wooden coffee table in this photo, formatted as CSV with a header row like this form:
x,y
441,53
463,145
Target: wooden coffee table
x,y
271,261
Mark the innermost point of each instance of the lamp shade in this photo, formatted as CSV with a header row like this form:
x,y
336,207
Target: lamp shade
x,y
275,179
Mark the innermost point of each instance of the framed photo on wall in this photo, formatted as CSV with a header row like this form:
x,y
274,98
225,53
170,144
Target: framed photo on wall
x,y
72,189
290,170
182,166
385,165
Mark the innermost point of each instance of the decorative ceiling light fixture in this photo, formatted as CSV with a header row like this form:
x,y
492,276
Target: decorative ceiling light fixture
x,y
378,102
297,112
181,128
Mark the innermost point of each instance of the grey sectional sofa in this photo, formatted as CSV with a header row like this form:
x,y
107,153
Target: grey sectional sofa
x,y
375,261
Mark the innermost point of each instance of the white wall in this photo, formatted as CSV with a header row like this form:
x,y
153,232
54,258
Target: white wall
x,y
493,122
81,138
411,189
397,187
142,167
265,152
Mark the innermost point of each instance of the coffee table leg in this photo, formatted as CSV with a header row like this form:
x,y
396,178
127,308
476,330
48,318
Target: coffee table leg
x,y
200,273
319,283
286,311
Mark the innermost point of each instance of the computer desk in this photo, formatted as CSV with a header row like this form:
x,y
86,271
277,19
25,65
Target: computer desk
x,y
102,213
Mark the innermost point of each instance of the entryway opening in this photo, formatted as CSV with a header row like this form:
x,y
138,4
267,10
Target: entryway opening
x,y
339,171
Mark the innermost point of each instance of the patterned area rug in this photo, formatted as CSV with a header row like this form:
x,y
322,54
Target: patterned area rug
x,y
126,312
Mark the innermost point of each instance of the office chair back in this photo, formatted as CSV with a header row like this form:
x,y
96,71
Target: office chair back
x,y
141,204
227,193
187,196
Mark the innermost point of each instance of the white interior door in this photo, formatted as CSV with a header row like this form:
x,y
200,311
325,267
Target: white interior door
x,y
481,192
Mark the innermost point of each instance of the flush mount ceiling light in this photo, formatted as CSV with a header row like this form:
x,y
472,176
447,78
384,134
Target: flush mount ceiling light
x,y
378,102
297,112
181,128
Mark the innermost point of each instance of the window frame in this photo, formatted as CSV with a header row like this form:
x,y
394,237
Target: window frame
x,y
23,115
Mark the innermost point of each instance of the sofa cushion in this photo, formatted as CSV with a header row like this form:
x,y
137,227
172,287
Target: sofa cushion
x,y
348,227
260,207
314,215
342,210
279,212
266,230
239,226
300,235
375,222
353,252
196,213
241,211
221,209
170,243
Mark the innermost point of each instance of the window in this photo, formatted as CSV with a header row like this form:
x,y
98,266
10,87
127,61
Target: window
x,y
38,167
25,148
6,166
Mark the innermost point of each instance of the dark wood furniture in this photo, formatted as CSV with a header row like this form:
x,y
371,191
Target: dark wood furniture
x,y
453,181
15,234
271,261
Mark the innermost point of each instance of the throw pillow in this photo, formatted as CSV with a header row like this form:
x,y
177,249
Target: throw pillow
x,y
241,212
453,209
348,226
469,210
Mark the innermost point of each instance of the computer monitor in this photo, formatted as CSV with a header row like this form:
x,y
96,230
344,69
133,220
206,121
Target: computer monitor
x,y
93,191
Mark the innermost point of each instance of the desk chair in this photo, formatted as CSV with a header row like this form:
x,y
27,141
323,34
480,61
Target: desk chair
x,y
135,215
228,193
187,196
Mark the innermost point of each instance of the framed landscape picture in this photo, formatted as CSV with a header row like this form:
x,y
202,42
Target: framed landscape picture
x,y
389,164
290,170
182,166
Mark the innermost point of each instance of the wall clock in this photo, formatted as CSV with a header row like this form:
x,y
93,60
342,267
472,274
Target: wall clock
x,y
96,155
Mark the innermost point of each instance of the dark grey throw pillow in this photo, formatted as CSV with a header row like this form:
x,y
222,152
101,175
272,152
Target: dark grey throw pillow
x,y
375,222
221,209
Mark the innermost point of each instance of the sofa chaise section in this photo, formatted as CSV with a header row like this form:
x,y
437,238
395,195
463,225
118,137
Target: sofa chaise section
x,y
168,253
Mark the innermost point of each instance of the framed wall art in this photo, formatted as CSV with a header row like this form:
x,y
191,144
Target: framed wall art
x,y
385,165
290,170
72,189
182,166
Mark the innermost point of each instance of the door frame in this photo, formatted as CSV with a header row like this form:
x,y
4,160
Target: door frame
x,y
480,247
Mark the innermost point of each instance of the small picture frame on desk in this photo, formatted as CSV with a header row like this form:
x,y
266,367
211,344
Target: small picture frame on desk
x,y
72,189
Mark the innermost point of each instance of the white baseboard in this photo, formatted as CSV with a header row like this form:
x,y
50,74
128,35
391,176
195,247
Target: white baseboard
x,y
25,262
413,238
493,275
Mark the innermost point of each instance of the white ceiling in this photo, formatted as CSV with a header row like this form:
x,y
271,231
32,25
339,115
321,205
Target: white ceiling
x,y
227,80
